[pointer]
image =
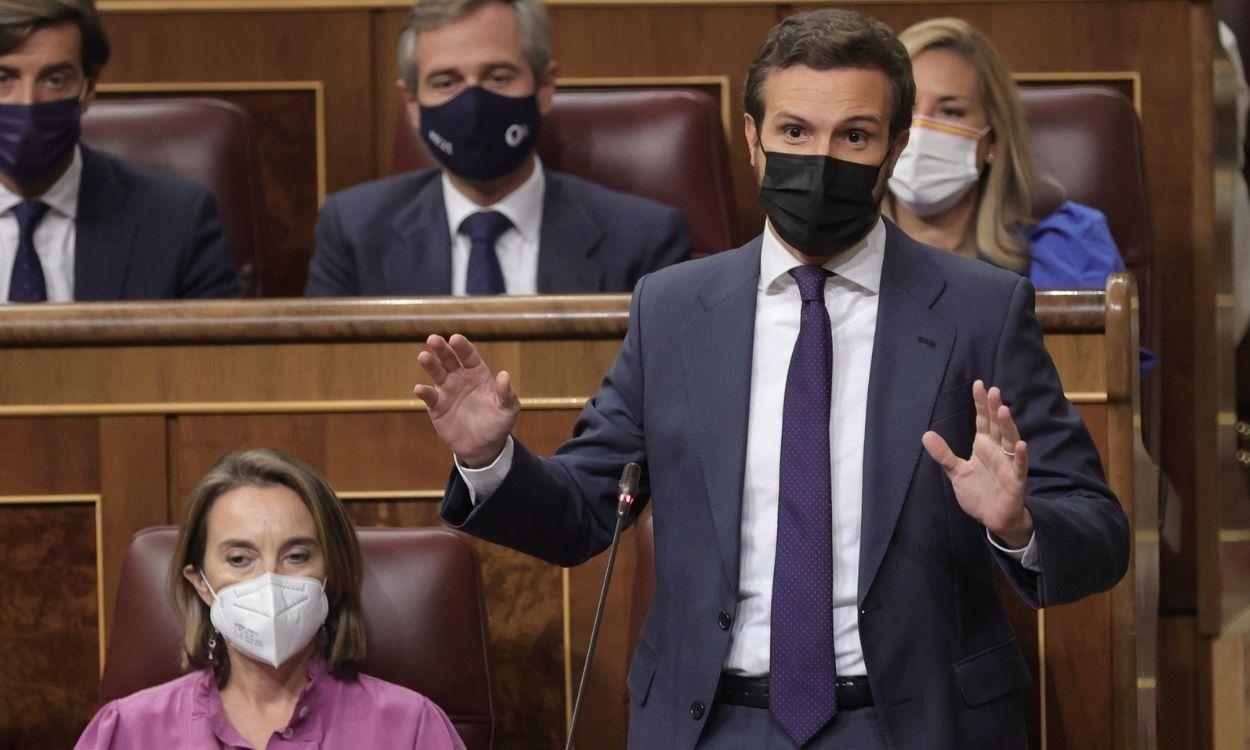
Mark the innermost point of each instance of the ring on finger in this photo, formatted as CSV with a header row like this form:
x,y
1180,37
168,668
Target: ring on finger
x,y
1006,452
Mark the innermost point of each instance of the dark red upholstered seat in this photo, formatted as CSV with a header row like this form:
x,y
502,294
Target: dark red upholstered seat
x,y
424,616
206,141
1089,139
664,144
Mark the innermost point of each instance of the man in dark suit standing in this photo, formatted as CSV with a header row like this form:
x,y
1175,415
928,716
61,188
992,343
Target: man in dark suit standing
x,y
77,224
477,78
821,581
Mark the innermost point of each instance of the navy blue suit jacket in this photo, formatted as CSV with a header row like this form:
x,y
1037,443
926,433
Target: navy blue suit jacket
x,y
390,237
942,660
143,234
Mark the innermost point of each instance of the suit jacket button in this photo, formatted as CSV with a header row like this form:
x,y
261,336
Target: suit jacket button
x,y
724,620
696,710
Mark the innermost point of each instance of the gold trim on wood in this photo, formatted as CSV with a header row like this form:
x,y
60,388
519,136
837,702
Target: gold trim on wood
x,y
83,499
1041,672
208,87
48,499
356,496
721,81
1234,536
568,650
1087,397
1086,77
257,407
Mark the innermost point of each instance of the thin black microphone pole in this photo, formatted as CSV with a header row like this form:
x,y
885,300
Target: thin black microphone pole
x,y
625,499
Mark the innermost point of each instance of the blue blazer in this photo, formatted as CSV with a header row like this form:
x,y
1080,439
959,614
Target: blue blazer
x,y
390,237
143,234
942,660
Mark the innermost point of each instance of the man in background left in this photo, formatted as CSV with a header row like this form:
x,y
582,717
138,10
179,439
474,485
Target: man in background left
x,y
77,224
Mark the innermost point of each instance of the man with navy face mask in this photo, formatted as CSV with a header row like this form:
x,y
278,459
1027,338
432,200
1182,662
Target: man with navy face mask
x,y
77,224
477,78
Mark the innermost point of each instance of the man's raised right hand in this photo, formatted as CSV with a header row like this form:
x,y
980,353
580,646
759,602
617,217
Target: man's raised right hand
x,y
473,412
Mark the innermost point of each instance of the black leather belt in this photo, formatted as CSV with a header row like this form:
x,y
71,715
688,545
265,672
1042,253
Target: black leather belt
x,y
853,692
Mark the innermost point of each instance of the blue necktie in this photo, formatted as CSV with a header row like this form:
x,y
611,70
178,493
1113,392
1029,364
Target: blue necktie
x,y
803,672
27,283
484,275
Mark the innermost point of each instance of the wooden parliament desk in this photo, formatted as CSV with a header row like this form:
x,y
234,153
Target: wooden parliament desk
x,y
110,413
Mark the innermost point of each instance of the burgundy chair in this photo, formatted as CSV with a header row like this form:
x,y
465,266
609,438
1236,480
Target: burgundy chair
x,y
1089,139
424,618
664,144
206,141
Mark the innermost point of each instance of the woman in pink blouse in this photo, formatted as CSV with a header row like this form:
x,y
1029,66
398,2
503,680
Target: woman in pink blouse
x,y
266,577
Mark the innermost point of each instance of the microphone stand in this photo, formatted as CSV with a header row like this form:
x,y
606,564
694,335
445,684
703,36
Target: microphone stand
x,y
628,491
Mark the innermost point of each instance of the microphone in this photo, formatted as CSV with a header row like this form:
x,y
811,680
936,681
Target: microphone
x,y
627,490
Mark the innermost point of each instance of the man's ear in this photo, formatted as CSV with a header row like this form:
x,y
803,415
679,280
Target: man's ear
x,y
410,103
753,136
546,88
192,574
896,149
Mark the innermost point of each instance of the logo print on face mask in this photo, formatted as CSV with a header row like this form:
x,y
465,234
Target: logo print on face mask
x,y
516,133
441,143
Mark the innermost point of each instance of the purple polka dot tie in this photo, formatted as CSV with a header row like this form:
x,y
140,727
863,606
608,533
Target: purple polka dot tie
x,y
27,283
803,674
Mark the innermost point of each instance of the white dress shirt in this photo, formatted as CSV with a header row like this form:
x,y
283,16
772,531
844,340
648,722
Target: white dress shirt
x,y
516,248
54,236
851,297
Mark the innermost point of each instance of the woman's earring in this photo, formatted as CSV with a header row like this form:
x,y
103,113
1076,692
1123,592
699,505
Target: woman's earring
x,y
212,646
989,156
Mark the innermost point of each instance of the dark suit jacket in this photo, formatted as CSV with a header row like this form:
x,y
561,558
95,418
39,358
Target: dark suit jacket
x,y
142,234
941,656
390,237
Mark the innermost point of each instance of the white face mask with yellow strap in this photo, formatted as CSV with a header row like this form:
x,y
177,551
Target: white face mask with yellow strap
x,y
938,167
271,617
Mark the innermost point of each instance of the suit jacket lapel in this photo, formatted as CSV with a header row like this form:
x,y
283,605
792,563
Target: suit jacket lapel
x,y
567,239
103,231
417,258
717,343
911,349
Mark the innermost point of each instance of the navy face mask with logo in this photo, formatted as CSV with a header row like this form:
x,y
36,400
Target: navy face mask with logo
x,y
481,135
35,139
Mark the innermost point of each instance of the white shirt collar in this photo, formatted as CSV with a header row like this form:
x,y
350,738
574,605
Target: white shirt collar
x,y
523,206
62,197
860,264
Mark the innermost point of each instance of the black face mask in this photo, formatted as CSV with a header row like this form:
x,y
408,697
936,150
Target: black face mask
x,y
820,205
481,135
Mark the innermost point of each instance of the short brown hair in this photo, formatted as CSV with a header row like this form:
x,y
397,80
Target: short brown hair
x,y
21,18
427,15
827,40
344,648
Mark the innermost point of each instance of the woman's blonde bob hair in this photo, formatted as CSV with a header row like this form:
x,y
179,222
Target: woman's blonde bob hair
x,y
1014,194
342,642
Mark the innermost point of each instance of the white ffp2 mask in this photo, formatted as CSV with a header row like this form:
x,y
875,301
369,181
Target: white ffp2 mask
x,y
271,617
938,167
